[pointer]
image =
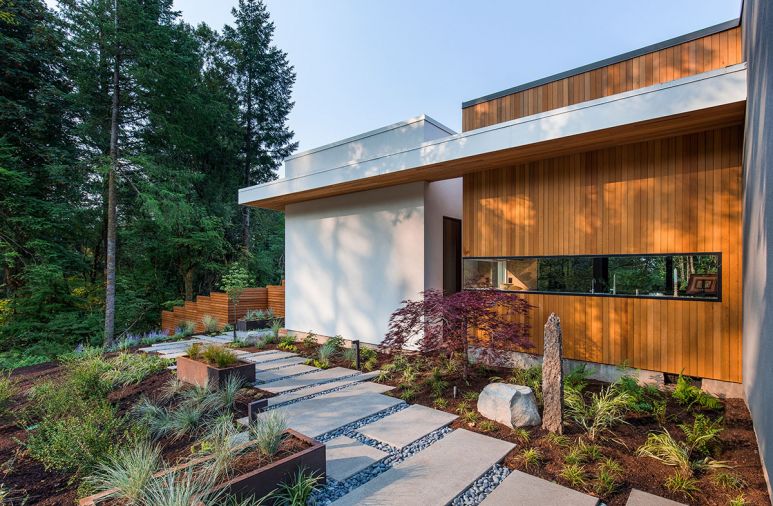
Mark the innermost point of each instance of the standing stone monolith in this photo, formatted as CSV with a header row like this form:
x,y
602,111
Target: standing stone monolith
x,y
553,377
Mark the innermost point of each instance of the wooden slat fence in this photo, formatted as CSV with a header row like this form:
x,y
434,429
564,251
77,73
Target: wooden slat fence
x,y
216,304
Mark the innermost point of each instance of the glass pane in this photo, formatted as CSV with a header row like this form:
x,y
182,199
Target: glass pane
x,y
682,276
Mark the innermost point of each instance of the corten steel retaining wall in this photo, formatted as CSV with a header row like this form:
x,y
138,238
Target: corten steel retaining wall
x,y
216,304
757,23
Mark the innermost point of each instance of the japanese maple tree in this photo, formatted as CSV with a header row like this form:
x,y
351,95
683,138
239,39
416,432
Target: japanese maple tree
x,y
445,323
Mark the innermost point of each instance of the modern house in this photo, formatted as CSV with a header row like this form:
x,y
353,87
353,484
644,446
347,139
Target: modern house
x,y
629,196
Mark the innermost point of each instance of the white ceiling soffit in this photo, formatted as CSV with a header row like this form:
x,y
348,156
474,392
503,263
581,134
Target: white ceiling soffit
x,y
701,91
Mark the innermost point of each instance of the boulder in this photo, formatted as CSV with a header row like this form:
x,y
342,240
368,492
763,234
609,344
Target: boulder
x,y
511,405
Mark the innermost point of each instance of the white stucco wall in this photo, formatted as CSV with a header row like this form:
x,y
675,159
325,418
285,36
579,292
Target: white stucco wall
x,y
350,260
442,198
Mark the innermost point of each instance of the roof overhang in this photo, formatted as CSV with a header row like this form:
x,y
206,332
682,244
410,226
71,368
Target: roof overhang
x,y
690,104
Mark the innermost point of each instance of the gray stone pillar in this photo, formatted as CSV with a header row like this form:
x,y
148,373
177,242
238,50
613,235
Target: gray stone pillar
x,y
553,377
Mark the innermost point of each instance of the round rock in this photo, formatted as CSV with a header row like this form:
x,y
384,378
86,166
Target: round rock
x,y
511,405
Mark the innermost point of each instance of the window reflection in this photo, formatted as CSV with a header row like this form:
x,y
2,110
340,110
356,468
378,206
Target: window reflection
x,y
688,275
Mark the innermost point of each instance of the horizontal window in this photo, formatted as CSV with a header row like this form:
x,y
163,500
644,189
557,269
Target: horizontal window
x,y
675,276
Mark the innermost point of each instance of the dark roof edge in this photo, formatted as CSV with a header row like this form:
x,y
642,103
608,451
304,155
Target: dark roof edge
x,y
721,27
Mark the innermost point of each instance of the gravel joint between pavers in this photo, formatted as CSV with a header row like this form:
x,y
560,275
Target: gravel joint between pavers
x,y
482,487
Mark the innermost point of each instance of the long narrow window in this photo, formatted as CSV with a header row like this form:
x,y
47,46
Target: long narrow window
x,y
690,275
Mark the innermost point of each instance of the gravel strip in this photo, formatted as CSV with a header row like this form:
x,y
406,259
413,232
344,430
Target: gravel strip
x,y
336,489
282,378
482,487
331,380
311,396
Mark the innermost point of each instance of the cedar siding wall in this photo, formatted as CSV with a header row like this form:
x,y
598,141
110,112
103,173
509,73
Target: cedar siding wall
x,y
674,195
701,55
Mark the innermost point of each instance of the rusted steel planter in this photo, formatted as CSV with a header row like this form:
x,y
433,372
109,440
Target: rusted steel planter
x,y
201,374
247,325
257,483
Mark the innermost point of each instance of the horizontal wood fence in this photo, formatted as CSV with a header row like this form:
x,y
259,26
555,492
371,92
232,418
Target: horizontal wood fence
x,y
216,304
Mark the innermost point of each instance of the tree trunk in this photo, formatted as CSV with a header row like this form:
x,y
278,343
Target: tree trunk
x,y
247,163
111,201
188,280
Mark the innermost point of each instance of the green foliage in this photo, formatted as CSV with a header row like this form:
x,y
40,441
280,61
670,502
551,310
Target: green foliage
x,y
487,425
297,491
522,434
211,324
575,475
436,383
703,435
75,443
642,398
683,455
440,403
219,356
680,483
129,470
186,328
234,282
407,394
7,391
739,500
194,351
531,377
689,395
728,481
604,410
557,439
531,458
577,379
268,431
608,478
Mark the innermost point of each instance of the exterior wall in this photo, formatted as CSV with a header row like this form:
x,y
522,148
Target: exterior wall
x,y
686,59
673,195
443,198
350,260
758,226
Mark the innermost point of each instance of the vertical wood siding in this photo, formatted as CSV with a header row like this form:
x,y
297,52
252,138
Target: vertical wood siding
x,y
701,55
674,195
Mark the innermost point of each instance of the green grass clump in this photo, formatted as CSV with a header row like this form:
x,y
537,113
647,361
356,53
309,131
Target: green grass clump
x,y
530,377
664,448
440,403
521,435
557,439
728,481
575,475
703,435
186,328
604,410
297,491
211,324
487,426
268,431
129,470
219,356
531,458
680,483
739,500
608,478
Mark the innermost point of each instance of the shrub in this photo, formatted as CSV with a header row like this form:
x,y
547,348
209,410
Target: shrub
x,y
180,488
436,383
211,324
129,471
441,323
641,397
7,391
530,377
682,484
186,328
310,341
219,356
75,443
605,410
276,326
688,395
577,379
268,431
703,435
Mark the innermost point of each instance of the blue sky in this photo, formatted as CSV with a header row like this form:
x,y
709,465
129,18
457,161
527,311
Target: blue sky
x,y
362,64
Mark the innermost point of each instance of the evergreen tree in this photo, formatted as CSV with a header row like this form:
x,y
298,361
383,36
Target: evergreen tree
x,y
263,79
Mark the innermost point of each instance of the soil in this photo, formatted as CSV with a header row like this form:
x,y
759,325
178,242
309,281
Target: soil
x,y
252,460
738,443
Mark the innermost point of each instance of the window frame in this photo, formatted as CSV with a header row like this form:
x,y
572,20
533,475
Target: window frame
x,y
718,297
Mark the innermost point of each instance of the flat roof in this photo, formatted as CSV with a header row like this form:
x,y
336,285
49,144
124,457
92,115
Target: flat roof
x,y
696,102
721,27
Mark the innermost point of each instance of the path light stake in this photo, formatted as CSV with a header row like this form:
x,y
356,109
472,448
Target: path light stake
x,y
454,391
553,377
357,352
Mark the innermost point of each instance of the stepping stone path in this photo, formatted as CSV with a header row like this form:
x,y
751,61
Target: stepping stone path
x,y
380,451
408,425
433,476
521,489
347,456
639,498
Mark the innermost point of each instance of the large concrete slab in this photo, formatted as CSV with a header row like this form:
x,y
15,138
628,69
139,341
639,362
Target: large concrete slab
x,y
521,489
277,374
406,426
314,417
639,498
276,364
314,378
364,386
433,476
346,456
267,357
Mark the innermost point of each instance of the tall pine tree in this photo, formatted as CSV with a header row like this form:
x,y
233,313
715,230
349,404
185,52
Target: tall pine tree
x,y
263,79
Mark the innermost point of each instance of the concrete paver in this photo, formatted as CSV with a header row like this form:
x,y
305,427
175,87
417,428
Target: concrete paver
x,y
406,426
305,380
521,489
346,456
